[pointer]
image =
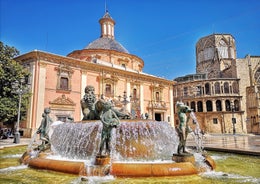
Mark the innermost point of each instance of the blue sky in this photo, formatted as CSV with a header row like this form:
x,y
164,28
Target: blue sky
x,y
161,32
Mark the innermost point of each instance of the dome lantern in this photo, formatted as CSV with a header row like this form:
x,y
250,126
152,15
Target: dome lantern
x,y
107,26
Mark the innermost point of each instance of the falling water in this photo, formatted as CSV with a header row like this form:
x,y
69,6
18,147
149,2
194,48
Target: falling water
x,y
145,141
197,133
140,140
76,140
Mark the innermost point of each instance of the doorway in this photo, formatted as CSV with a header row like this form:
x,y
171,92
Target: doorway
x,y
158,116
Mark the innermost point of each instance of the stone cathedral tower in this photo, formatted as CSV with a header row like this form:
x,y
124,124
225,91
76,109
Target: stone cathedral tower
x,y
216,56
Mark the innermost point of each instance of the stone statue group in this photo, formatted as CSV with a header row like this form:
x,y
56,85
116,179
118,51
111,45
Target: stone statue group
x,y
103,110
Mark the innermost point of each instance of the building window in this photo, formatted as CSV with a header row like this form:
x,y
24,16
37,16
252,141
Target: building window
x,y
199,90
215,121
236,105
227,104
226,87
157,96
257,76
193,106
134,93
207,89
217,88
209,106
200,106
218,105
64,74
108,91
64,83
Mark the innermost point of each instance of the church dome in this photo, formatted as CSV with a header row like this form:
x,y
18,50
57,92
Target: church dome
x,y
107,51
106,43
107,39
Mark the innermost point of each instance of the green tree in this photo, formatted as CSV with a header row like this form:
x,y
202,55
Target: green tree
x,y
11,72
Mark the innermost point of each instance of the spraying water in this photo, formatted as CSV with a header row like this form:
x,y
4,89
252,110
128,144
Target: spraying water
x,y
197,133
141,140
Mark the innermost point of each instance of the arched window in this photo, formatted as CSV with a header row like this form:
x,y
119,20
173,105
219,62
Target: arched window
x,y
226,87
200,106
207,89
222,49
157,96
218,105
217,88
193,106
134,93
227,104
236,105
257,76
209,106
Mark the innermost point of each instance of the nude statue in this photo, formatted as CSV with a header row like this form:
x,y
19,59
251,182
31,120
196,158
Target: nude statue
x,y
183,129
109,120
43,130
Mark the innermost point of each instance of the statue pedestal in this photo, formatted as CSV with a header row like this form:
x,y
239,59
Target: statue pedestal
x,y
185,157
102,160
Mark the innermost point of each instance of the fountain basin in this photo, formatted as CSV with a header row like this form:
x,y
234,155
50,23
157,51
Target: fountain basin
x,y
119,169
58,165
136,147
152,169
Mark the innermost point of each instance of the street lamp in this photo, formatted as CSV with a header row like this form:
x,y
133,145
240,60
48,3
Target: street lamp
x,y
233,118
125,101
18,85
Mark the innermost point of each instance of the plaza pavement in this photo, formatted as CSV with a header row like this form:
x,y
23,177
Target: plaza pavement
x,y
248,144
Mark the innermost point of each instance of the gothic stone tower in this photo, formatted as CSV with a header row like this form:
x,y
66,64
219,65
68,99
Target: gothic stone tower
x,y
216,56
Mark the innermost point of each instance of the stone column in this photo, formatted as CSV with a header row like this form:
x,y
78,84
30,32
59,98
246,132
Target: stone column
x,y
142,99
83,85
128,93
214,106
223,104
171,106
41,92
204,106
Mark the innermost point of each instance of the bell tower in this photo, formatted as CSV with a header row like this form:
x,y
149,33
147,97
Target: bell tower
x,y
216,56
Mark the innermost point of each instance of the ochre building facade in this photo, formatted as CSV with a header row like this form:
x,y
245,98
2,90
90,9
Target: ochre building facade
x,y
59,82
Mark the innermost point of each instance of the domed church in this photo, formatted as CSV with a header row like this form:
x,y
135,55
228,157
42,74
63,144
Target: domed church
x,y
58,82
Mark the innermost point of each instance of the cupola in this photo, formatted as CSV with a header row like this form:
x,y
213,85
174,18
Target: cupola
x,y
107,26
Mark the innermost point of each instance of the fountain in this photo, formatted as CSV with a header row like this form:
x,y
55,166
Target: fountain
x,y
133,148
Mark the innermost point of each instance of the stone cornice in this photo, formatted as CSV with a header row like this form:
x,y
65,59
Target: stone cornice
x,y
108,52
87,66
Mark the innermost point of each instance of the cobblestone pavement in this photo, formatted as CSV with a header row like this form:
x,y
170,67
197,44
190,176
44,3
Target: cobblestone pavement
x,y
243,144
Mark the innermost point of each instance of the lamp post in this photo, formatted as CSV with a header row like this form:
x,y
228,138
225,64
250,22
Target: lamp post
x,y
233,118
20,91
124,101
